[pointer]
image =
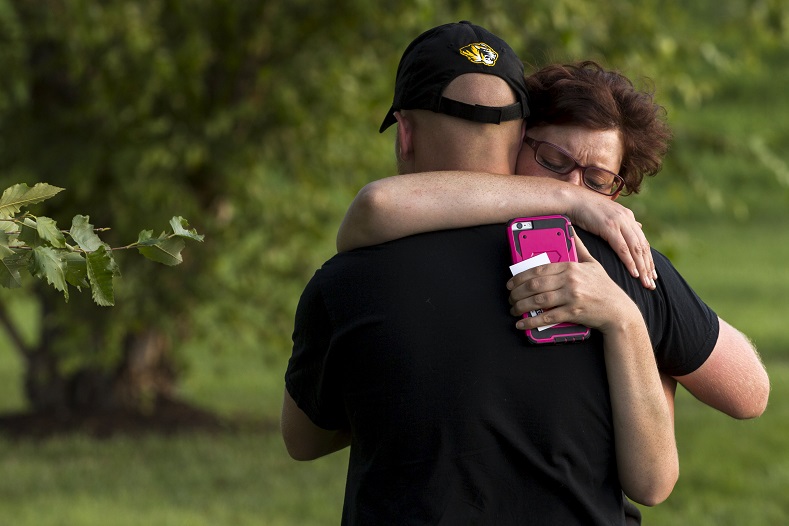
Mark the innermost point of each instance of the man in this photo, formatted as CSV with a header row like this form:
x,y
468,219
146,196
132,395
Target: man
x,y
450,422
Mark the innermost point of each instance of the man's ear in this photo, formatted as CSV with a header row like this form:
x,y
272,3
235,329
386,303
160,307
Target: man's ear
x,y
405,136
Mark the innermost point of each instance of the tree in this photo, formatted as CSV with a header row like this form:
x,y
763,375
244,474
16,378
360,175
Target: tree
x,y
140,107
132,106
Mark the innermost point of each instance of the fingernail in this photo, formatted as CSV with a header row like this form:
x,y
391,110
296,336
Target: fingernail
x,y
520,325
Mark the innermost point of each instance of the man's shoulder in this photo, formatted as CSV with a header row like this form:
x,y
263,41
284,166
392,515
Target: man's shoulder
x,y
428,257
600,250
608,258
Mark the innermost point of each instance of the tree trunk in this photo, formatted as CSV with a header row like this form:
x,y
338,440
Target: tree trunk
x,y
136,394
143,376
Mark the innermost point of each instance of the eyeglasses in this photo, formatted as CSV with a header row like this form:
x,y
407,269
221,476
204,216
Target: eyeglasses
x,y
559,161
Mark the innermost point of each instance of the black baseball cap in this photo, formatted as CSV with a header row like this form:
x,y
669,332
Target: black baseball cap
x,y
439,55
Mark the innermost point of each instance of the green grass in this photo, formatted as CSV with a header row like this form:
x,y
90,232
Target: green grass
x,y
190,480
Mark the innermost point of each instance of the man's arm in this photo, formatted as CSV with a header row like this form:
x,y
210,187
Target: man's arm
x,y
307,378
395,207
733,379
303,439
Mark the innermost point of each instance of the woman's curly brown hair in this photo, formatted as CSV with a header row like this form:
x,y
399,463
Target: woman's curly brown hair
x,y
586,94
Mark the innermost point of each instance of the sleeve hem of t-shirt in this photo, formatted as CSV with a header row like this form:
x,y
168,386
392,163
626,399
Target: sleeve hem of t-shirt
x,y
700,357
326,424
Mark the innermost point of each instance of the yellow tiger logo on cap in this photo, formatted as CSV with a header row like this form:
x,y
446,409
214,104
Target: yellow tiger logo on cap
x,y
480,53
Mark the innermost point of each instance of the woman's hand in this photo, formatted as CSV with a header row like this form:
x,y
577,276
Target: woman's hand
x,y
618,226
567,292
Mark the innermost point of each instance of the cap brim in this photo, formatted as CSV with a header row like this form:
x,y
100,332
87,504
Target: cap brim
x,y
388,120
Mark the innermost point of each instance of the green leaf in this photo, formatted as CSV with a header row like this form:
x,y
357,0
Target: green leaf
x,y
101,269
47,264
48,231
28,233
4,249
10,238
8,227
82,232
180,225
166,251
76,270
10,267
146,239
19,195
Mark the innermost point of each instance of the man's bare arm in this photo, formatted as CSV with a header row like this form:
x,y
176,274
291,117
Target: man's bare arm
x,y
303,439
408,204
733,379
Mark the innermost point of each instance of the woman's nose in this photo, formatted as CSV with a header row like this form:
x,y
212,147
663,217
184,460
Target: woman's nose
x,y
575,177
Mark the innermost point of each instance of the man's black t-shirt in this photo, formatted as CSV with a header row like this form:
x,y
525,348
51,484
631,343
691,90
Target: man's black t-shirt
x,y
456,418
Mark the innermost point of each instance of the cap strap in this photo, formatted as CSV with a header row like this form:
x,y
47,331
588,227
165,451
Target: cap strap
x,y
479,113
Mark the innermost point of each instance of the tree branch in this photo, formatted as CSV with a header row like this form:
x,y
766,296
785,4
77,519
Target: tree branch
x,y
13,333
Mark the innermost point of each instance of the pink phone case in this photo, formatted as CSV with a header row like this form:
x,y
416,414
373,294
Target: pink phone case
x,y
552,235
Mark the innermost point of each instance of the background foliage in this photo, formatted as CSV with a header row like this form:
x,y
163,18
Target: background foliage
x,y
258,121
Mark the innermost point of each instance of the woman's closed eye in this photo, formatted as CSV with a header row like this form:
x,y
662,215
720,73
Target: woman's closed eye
x,y
599,180
556,161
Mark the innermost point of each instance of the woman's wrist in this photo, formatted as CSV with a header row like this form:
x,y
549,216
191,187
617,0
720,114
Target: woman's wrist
x,y
624,317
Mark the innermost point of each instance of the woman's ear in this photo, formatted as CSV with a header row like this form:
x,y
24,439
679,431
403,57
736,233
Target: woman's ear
x,y
405,137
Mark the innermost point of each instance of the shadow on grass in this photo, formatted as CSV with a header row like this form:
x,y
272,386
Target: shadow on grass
x,y
169,417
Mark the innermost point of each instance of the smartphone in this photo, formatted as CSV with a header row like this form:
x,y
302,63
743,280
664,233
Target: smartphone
x,y
547,239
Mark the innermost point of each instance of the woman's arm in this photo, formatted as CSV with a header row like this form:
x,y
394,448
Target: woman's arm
x,y
641,400
408,204
646,450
